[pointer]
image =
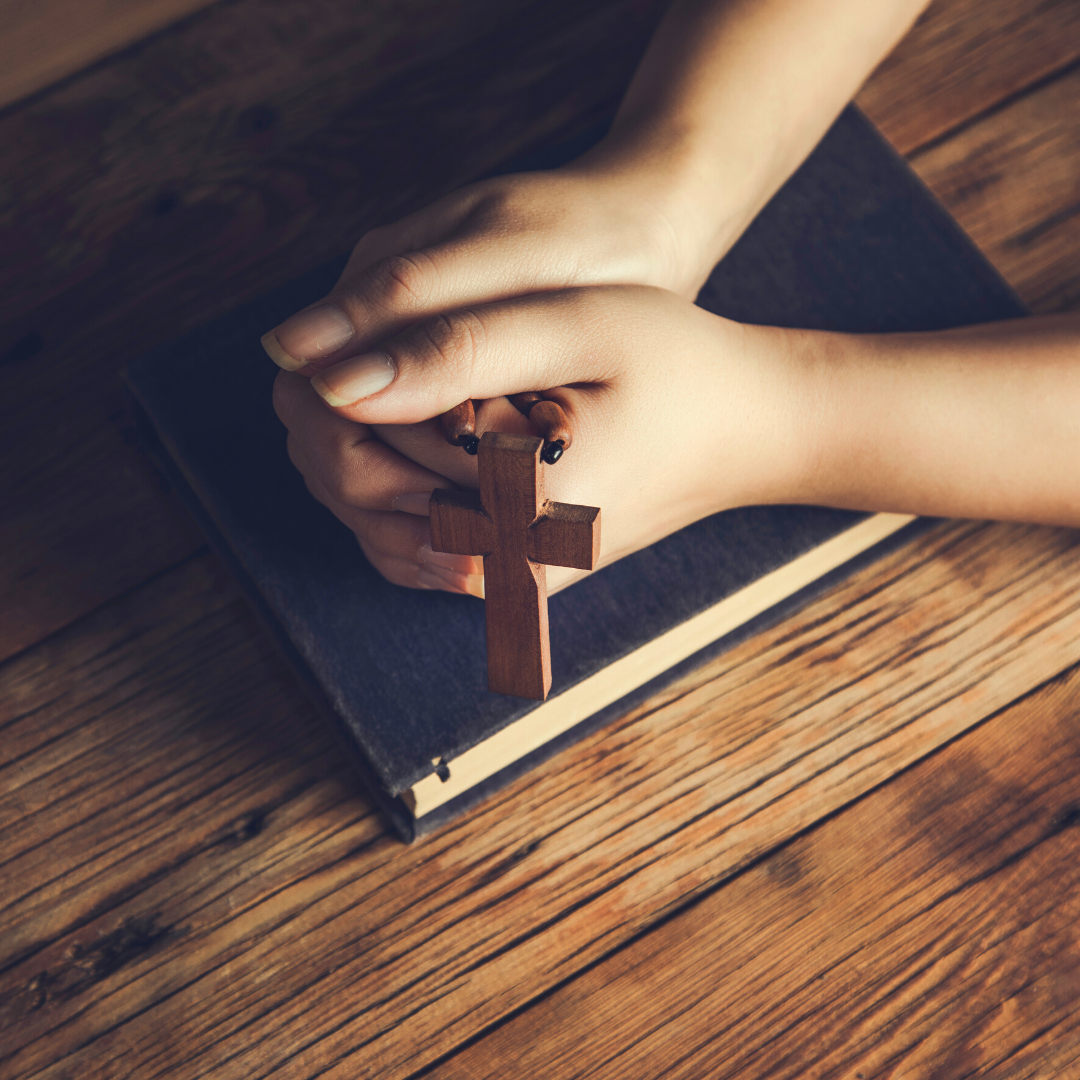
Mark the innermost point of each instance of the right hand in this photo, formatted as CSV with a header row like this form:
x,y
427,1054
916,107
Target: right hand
x,y
676,413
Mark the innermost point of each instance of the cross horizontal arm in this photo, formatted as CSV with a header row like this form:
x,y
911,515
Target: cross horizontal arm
x,y
459,524
566,535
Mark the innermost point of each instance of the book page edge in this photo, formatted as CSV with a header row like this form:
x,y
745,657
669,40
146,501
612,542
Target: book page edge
x,y
626,674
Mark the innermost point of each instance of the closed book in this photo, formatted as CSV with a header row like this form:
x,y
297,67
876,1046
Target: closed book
x,y
852,242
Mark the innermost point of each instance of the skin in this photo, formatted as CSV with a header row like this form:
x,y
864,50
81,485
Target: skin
x,y
581,278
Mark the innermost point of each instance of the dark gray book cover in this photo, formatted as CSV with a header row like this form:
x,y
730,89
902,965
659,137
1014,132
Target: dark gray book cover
x,y
852,242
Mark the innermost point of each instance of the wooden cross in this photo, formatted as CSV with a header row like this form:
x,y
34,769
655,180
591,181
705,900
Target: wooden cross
x,y
519,533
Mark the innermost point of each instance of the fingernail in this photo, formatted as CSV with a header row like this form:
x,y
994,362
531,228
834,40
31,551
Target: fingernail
x,y
308,335
462,564
412,502
436,578
355,379
276,353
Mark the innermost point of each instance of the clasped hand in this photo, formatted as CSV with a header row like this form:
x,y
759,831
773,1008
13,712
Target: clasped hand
x,y
552,280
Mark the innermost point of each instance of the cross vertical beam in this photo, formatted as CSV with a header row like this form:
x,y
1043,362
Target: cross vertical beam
x,y
518,532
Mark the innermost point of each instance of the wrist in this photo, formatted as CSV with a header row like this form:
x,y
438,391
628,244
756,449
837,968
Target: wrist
x,y
663,175
760,438
851,452
793,430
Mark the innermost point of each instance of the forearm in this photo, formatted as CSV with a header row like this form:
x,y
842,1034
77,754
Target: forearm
x,y
732,95
980,422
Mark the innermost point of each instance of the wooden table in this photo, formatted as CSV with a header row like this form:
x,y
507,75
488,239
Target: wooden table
x,y
848,848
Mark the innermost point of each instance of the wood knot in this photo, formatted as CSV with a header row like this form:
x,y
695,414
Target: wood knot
x,y
239,831
1068,817
166,203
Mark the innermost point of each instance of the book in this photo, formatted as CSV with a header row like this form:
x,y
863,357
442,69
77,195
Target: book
x,y
852,242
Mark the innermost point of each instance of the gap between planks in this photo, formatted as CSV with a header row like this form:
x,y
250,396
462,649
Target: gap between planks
x,y
48,40
926,931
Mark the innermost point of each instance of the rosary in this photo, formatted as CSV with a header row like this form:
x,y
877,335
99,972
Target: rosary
x,y
458,425
519,532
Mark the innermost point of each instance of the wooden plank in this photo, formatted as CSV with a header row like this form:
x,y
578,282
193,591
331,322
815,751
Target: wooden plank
x,y
85,518
1012,180
50,39
211,892
262,139
321,945
929,930
94,773
163,175
963,58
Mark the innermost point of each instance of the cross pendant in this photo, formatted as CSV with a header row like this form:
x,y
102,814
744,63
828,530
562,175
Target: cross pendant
x,y
519,533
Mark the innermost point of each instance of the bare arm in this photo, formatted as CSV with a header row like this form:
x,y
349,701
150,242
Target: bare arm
x,y
980,422
731,96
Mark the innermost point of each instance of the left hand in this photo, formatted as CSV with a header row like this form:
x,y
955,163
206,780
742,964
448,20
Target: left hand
x,y
599,220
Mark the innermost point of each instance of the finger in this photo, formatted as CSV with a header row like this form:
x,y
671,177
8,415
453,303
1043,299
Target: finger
x,y
398,571
328,328
492,241
407,536
452,581
354,467
393,534
393,548
296,407
417,576
487,352
478,246
423,228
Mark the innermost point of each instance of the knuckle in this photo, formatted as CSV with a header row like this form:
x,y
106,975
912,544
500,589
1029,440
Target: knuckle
x,y
454,340
345,482
284,394
338,487
343,466
399,282
494,208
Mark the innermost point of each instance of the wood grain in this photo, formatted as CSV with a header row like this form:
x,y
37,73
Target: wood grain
x,y
565,534
458,426
964,58
84,517
548,421
171,932
928,930
49,39
1012,180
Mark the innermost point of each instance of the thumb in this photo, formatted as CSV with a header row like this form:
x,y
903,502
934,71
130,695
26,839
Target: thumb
x,y
530,343
339,323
